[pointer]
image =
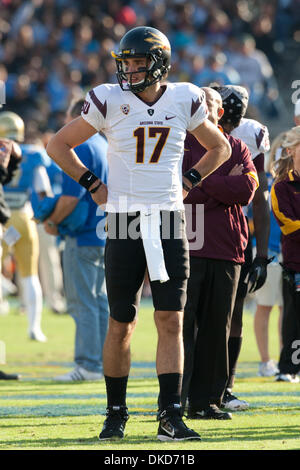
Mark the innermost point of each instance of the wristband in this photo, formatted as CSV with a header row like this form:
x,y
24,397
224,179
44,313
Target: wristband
x,y
92,191
193,176
87,179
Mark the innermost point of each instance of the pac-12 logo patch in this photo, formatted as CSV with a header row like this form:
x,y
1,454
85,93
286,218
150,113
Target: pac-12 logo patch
x,y
85,107
125,108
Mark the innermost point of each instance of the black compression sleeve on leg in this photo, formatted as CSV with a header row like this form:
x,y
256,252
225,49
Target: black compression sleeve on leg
x,y
234,348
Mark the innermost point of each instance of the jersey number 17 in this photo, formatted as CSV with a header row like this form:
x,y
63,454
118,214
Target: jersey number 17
x,y
139,134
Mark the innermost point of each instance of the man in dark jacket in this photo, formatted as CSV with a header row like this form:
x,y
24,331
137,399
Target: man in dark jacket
x,y
215,269
254,271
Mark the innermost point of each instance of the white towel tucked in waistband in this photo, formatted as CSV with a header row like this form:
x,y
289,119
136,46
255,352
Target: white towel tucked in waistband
x,y
150,231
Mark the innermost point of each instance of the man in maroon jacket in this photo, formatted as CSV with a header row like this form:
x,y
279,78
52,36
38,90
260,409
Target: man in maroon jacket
x,y
215,268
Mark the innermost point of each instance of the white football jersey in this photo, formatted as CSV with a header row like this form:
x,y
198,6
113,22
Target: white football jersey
x,y
254,134
145,143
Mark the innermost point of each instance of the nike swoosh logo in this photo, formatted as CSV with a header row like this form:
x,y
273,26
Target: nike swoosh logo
x,y
89,178
169,117
168,431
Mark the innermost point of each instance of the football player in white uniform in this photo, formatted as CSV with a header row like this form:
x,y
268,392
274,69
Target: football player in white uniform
x,y
254,272
145,122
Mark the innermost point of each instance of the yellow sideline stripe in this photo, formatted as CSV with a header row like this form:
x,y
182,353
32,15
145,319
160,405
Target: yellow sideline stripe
x,y
289,225
253,175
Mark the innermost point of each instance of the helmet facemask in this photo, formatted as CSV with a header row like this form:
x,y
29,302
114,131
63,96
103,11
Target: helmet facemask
x,y
154,72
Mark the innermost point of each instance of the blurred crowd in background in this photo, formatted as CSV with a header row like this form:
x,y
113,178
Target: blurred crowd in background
x,y
54,50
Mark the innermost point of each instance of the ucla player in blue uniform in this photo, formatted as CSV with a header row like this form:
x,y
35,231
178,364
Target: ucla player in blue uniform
x,y
31,174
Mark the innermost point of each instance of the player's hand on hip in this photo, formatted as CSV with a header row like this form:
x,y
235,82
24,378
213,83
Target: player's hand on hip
x,y
184,194
186,187
100,196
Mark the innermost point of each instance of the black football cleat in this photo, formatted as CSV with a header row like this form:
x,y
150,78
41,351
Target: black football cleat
x,y
114,424
211,412
172,428
4,376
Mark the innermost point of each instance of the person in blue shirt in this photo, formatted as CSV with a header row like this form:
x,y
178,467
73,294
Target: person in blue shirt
x,y
83,261
50,269
213,71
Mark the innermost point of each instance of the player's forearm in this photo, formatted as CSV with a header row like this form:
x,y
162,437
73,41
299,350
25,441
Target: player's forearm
x,y
212,159
218,148
66,158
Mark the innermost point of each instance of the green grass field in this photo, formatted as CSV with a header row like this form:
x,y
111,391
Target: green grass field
x,y
37,413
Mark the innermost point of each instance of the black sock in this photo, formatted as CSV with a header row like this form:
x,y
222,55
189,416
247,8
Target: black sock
x,y
170,389
234,348
116,390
